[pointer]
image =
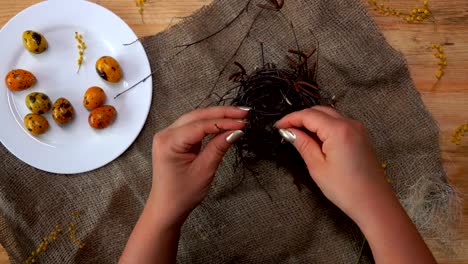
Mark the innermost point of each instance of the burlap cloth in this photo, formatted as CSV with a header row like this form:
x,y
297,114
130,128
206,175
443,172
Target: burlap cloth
x,y
242,224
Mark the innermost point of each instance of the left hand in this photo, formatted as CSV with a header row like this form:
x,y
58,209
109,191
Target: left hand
x,y
182,170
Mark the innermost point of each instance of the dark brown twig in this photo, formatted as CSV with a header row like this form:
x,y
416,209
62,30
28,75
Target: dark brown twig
x,y
263,54
230,59
220,129
308,85
219,30
133,42
135,85
361,251
238,75
243,71
139,39
276,5
316,65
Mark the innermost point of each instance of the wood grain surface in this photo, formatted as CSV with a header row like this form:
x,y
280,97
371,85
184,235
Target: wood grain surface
x,y
447,99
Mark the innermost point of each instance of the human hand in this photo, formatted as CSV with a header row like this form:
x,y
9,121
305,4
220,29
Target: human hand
x,y
343,164
182,170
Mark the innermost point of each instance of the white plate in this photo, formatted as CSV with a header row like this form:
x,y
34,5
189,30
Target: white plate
x,y
75,147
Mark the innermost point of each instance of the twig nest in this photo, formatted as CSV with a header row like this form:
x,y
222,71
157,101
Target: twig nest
x,y
273,93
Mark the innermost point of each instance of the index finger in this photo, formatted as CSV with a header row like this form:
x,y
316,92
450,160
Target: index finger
x,y
216,112
313,120
328,110
185,137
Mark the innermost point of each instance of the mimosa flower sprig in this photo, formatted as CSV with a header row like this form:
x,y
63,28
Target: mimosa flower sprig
x,y
418,14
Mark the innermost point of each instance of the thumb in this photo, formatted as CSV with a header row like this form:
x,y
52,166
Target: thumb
x,y
212,155
309,149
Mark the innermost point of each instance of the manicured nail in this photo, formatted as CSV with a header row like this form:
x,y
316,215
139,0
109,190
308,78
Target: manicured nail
x,y
234,136
287,135
243,121
245,108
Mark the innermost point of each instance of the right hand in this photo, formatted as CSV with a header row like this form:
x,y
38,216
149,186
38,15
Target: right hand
x,y
348,173
343,164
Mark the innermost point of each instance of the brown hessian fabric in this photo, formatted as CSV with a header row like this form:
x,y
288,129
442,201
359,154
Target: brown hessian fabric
x,y
239,222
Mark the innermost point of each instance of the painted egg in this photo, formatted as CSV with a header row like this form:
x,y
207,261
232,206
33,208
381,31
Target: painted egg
x,y
94,98
38,103
102,117
34,42
36,124
62,111
19,80
109,69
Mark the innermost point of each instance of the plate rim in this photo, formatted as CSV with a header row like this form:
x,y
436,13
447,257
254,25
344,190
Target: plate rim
x,y
131,139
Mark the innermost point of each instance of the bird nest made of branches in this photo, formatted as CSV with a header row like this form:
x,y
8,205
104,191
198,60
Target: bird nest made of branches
x,y
272,93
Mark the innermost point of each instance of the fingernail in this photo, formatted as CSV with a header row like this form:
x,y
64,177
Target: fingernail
x,y
243,121
234,136
287,135
245,108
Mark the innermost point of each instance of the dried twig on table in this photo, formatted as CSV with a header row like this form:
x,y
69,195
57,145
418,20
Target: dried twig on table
x,y
228,24
230,59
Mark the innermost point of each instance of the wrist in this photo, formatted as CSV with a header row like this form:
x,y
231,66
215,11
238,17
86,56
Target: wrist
x,y
367,198
164,215
391,234
378,211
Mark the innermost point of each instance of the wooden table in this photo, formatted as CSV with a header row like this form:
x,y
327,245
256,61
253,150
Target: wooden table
x,y
448,100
